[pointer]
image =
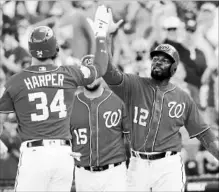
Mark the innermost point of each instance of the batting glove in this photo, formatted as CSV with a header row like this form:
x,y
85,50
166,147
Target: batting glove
x,y
102,21
76,156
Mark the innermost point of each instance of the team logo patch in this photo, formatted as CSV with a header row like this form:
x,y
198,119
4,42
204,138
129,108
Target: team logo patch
x,y
87,60
42,68
39,53
112,118
176,110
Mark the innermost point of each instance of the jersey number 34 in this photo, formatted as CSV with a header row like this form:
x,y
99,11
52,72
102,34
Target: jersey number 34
x,y
57,105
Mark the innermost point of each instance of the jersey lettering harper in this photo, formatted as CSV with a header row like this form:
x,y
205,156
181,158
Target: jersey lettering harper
x,y
97,128
42,97
151,107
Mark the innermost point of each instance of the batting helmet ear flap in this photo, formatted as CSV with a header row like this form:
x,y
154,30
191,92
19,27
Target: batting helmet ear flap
x,y
173,69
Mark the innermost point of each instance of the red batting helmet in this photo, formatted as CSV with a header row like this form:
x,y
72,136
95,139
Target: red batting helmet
x,y
42,43
171,52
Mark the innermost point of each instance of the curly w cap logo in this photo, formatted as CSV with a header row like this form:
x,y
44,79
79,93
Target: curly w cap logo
x,y
87,60
112,119
176,110
166,48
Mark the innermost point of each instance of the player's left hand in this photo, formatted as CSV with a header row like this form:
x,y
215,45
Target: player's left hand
x,y
101,21
113,27
76,156
3,150
211,159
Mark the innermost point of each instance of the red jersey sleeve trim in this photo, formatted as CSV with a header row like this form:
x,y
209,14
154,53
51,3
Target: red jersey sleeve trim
x,y
199,133
6,112
42,71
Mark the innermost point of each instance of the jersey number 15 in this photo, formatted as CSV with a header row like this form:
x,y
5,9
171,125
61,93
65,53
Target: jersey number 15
x,y
81,137
57,105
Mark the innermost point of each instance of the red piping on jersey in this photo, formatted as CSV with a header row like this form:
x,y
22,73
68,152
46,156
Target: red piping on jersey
x,y
182,171
98,126
160,117
6,112
89,126
200,132
144,145
26,70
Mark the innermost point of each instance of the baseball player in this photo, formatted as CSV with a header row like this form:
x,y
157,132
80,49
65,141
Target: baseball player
x,y
98,125
158,109
42,97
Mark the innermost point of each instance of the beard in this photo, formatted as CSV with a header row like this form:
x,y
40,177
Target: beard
x,y
160,76
93,88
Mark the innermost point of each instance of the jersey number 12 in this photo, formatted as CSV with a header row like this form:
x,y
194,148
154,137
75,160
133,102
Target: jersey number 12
x,y
57,105
140,116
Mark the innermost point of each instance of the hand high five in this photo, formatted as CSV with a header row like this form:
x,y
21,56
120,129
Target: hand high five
x,y
104,23
113,27
101,21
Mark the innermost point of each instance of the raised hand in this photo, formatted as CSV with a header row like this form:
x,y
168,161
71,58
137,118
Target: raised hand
x,y
113,27
101,21
76,155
